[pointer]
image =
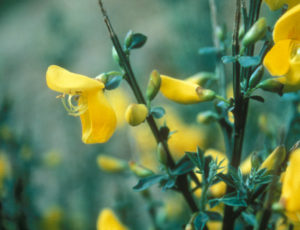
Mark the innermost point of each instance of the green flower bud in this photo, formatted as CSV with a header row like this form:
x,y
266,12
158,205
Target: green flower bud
x,y
201,78
161,154
115,55
139,170
221,32
136,114
256,76
128,38
153,85
205,94
207,117
255,33
103,77
271,85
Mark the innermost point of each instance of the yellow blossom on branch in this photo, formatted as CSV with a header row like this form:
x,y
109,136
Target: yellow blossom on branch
x,y
291,188
97,117
107,220
283,60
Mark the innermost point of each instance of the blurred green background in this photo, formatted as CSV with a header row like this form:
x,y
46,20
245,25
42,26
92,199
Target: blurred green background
x,y
62,172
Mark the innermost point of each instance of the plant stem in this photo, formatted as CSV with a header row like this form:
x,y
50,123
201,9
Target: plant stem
x,y
182,181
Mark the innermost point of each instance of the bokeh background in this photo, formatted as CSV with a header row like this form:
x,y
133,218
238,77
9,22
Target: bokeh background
x,y
63,183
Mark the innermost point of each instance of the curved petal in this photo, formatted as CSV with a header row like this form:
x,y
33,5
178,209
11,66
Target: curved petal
x,y
292,3
99,120
277,60
107,220
61,80
182,92
288,25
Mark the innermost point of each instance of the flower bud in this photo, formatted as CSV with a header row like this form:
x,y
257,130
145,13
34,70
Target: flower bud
x,y
161,154
205,94
136,114
111,164
221,32
276,157
271,85
201,78
256,76
115,55
207,117
255,33
139,170
153,85
103,77
128,38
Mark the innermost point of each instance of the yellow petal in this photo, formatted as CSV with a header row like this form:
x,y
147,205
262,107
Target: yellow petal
x,y
99,120
291,184
288,25
182,92
61,80
107,220
292,3
277,60
277,156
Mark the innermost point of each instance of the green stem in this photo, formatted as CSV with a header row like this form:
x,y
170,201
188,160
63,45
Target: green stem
x,y
182,181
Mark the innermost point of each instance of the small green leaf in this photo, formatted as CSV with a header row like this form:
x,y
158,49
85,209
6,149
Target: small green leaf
x,y
249,218
169,183
228,59
234,201
208,50
183,166
215,216
137,41
201,220
157,112
113,83
248,61
257,98
147,182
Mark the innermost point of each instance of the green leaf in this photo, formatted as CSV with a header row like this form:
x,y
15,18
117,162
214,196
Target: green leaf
x,y
157,112
184,166
113,83
249,218
248,61
215,216
137,41
228,59
208,50
169,183
257,98
147,182
234,201
201,220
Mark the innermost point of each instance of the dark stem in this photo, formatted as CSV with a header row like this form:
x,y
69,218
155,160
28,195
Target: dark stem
x,y
182,181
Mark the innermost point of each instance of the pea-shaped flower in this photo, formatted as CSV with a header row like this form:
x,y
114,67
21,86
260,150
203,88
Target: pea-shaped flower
x,y
107,220
277,4
97,117
291,187
283,60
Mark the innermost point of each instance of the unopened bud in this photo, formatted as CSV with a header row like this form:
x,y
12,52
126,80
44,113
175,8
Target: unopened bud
x,y
207,117
255,33
221,32
136,114
115,55
139,170
161,154
103,77
153,85
256,76
271,85
111,164
128,38
205,94
274,159
201,78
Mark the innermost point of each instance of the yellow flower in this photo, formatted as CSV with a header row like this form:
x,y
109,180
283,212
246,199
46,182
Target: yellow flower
x,y
52,220
184,92
111,164
277,4
107,220
283,59
98,119
136,114
291,188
